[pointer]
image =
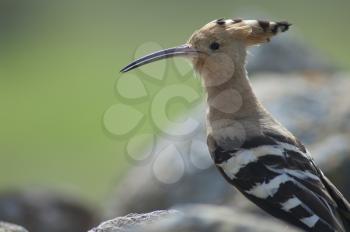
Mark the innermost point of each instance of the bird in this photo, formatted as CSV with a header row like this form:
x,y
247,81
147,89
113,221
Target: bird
x,y
252,150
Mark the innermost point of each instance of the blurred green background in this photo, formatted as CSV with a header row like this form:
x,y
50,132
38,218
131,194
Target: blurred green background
x,y
59,61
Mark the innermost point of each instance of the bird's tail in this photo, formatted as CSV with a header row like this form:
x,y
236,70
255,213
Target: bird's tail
x,y
343,204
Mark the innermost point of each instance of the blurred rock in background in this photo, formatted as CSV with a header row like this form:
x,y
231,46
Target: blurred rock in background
x,y
130,221
194,218
287,54
43,211
8,227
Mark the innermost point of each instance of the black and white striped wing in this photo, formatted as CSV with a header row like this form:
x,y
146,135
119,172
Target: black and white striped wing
x,y
280,177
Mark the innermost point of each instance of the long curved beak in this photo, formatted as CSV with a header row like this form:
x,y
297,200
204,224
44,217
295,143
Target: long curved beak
x,y
183,50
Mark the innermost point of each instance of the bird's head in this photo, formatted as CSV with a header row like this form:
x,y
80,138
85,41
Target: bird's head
x,y
218,45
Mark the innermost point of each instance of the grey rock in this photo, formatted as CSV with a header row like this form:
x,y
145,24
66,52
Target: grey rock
x,y
207,218
126,223
315,108
312,107
194,218
42,211
8,227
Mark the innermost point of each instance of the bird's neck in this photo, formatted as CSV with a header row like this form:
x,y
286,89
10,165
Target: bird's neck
x,y
234,98
233,110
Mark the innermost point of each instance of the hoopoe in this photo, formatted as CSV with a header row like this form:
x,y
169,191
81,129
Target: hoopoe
x,y
251,149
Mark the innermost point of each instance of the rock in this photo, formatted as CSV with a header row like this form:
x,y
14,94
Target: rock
x,y
124,223
315,108
194,218
207,218
8,227
287,54
312,107
43,211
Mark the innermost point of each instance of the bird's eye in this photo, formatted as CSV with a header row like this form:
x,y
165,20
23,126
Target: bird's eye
x,y
214,46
